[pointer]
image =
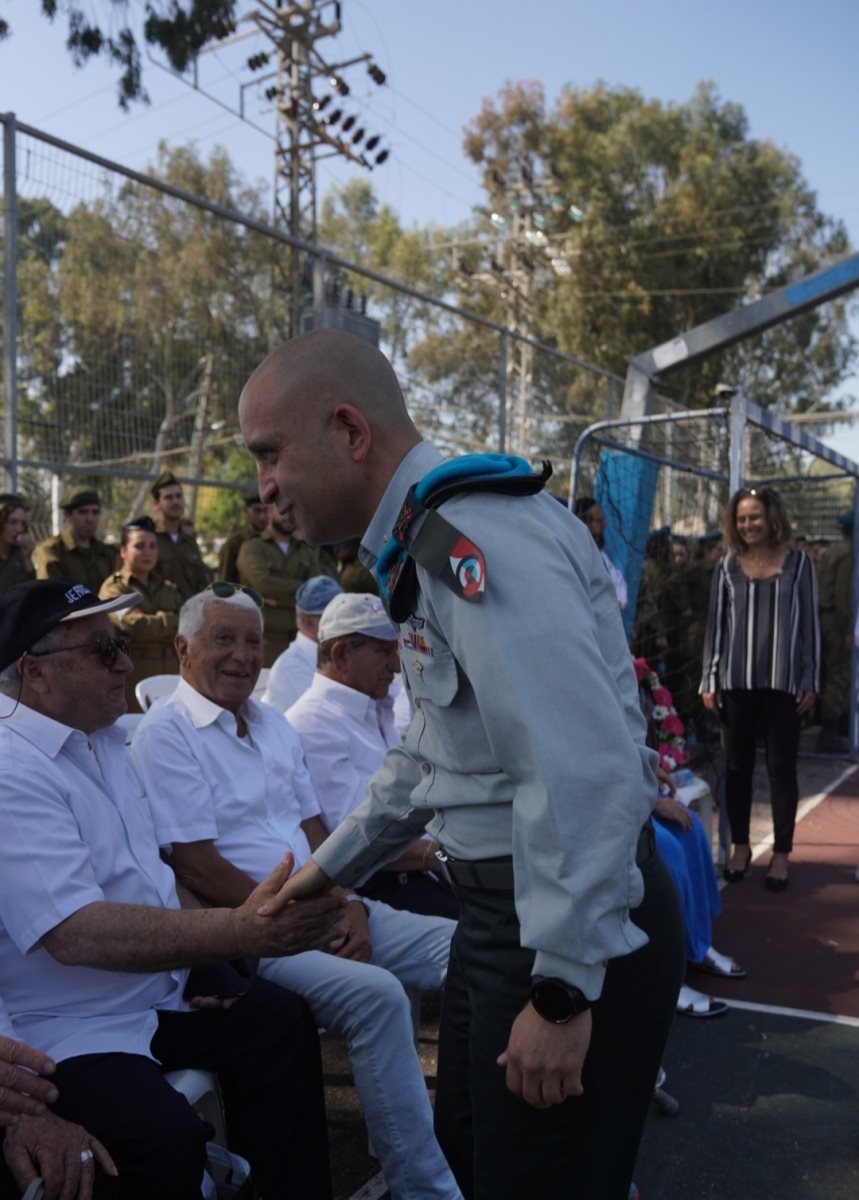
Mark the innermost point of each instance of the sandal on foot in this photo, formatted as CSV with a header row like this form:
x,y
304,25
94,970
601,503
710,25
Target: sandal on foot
x,y
695,1004
714,963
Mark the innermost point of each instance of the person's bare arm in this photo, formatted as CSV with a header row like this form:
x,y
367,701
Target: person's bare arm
x,y
133,937
356,943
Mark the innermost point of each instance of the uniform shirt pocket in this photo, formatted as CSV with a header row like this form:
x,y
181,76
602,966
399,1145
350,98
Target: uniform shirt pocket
x,y
433,677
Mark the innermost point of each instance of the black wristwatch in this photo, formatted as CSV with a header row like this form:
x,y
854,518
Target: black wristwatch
x,y
557,1001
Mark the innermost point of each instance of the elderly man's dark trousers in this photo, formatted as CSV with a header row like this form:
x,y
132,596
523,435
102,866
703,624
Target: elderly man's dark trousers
x,y
498,1146
265,1052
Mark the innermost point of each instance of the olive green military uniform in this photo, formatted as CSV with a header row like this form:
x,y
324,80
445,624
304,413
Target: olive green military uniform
x,y
15,568
354,577
151,626
277,577
182,563
835,590
61,558
649,636
228,559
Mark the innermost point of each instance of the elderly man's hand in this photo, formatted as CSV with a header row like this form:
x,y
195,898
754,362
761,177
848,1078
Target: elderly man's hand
x,y
356,941
63,1154
22,1088
272,925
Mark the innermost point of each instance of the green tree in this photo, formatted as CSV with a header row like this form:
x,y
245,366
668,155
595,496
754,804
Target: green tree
x,y
641,219
178,28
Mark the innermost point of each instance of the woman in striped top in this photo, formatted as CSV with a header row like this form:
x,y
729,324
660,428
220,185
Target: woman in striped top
x,y
761,666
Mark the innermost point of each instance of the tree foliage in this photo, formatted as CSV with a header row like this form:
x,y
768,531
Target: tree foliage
x,y
180,29
658,217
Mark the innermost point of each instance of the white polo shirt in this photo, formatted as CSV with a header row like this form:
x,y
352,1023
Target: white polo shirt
x,y
292,673
344,735
249,795
76,830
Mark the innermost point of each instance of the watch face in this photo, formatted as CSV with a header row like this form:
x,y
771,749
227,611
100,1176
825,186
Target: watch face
x,y
556,1001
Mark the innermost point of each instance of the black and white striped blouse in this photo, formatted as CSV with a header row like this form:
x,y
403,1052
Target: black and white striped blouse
x,y
763,633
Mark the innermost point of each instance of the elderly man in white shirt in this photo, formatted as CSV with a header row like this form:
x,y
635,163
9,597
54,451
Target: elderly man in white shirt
x,y
229,791
94,947
292,672
346,723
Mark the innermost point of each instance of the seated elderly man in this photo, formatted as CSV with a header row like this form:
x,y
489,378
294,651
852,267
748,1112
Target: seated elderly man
x,y
94,945
292,672
346,724
230,792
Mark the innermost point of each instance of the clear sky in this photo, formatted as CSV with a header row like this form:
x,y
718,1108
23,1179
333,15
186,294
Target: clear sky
x,y
791,65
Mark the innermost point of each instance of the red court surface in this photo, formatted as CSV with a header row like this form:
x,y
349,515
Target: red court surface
x,y
800,947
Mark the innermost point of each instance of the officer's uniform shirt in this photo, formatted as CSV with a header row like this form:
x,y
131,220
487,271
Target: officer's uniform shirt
x,y
345,735
247,794
180,561
527,736
152,625
76,831
228,559
61,557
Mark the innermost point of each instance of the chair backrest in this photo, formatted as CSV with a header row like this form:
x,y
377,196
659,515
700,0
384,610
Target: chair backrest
x,y
262,682
153,688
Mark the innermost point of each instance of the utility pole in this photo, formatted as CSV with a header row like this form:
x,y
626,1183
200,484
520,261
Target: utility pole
x,y
312,122
532,222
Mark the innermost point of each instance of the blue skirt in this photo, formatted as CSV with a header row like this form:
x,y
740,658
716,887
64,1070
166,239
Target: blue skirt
x,y
689,859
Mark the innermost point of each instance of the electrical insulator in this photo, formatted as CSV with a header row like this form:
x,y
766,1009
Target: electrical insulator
x,y
347,124
381,157
372,143
318,105
334,117
270,93
357,136
257,61
376,74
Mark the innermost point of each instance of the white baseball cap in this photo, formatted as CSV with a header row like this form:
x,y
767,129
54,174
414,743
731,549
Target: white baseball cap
x,y
356,613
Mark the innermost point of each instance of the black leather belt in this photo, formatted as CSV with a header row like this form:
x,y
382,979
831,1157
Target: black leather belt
x,y
497,873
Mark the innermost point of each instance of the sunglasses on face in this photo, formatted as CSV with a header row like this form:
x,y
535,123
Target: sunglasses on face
x,y
106,647
224,590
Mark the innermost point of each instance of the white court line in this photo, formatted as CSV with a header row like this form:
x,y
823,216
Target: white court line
x,y
804,1013
372,1189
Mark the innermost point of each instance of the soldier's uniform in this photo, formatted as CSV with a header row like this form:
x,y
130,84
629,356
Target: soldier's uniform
x,y
835,590
277,577
151,626
61,557
354,577
181,562
228,558
15,568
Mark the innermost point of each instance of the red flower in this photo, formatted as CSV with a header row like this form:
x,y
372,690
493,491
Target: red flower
x,y
661,695
673,725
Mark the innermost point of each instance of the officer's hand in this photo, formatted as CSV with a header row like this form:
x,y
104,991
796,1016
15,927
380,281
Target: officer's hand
x,y
23,1091
544,1061
271,924
309,881
356,941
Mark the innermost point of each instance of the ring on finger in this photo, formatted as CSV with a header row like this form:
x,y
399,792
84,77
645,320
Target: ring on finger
x,y
86,1156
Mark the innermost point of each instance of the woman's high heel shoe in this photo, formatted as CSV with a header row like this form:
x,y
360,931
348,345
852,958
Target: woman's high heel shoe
x,y
735,874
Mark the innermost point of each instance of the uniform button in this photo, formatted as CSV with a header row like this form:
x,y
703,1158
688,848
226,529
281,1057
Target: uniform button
x,y
426,768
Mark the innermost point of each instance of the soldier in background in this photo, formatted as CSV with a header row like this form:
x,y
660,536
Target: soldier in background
x,y
352,575
16,542
77,553
835,589
256,521
179,557
276,564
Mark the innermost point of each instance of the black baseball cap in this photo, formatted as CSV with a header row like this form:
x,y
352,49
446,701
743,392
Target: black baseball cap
x,y
30,610
82,499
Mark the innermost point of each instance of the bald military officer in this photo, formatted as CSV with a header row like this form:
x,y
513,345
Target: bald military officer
x,y
526,756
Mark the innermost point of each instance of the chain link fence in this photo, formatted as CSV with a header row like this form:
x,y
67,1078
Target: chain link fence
x,y
134,311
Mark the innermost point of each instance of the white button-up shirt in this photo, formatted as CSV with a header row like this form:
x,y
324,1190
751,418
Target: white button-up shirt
x,y
6,1027
345,735
205,783
76,830
292,673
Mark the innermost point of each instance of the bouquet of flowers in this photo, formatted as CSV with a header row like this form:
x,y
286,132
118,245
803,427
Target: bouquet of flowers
x,y
667,727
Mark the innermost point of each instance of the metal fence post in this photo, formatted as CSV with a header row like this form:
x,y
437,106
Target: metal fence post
x,y
10,303
737,453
